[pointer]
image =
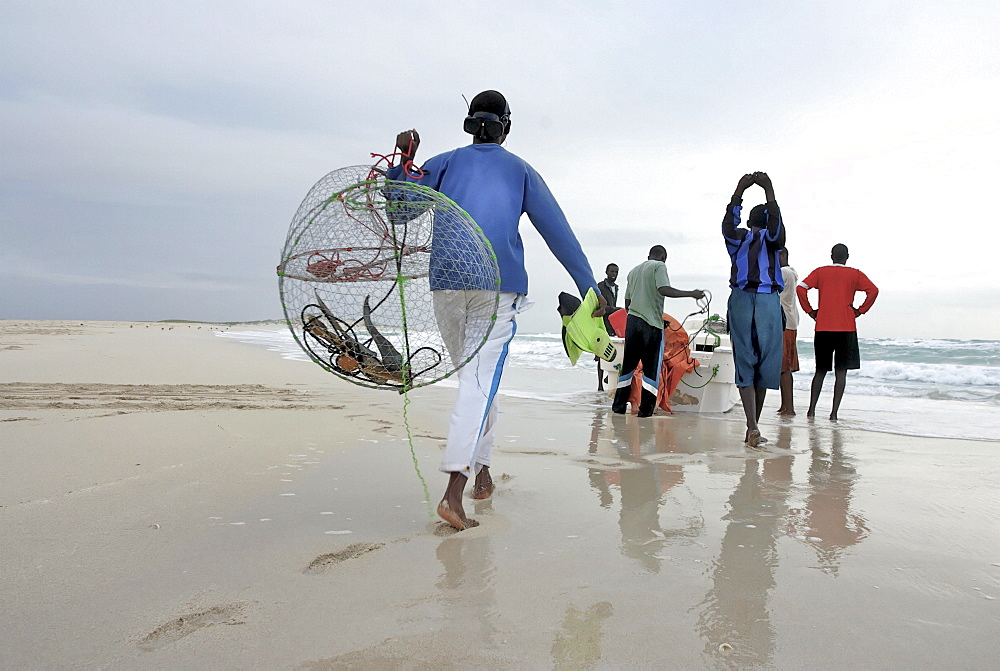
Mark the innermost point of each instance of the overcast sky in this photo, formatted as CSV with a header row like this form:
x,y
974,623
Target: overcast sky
x,y
152,154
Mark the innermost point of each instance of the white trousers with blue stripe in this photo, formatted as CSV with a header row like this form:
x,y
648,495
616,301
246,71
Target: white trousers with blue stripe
x,y
473,420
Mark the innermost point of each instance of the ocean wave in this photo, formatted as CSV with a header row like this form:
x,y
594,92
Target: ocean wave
x,y
930,373
908,398
934,343
890,377
544,354
281,342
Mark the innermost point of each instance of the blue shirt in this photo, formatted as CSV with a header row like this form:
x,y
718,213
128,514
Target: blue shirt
x,y
754,253
496,187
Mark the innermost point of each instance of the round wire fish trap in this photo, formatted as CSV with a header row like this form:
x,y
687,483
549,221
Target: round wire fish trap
x,y
358,272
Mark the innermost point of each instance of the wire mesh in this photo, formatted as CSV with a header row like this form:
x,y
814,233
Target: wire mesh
x,y
358,273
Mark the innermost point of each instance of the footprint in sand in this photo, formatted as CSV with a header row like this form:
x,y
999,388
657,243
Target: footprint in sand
x,y
326,562
383,426
486,525
578,645
180,627
443,529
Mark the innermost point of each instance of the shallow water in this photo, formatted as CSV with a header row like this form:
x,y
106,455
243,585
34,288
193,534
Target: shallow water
x,y
934,388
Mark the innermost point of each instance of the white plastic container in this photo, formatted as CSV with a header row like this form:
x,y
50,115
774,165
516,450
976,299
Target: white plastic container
x,y
711,387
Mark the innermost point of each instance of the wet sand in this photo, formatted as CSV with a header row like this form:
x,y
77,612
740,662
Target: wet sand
x,y
172,499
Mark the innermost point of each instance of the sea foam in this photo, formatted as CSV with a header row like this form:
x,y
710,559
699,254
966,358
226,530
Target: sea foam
x,y
929,387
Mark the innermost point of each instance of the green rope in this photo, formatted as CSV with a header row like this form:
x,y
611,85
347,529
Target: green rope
x,y
413,455
709,323
715,371
407,380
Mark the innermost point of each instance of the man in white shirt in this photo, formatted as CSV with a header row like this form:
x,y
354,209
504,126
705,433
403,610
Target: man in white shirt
x,y
790,353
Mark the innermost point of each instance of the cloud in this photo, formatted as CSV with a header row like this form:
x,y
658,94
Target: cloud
x,y
165,149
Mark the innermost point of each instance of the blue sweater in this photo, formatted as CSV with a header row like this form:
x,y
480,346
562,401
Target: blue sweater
x,y
496,187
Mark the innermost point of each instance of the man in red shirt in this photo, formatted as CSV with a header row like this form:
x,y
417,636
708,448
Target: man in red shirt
x,y
836,338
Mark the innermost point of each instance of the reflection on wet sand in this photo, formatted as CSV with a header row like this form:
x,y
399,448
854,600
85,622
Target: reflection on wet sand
x,y
469,593
597,479
644,487
826,521
468,588
578,645
734,612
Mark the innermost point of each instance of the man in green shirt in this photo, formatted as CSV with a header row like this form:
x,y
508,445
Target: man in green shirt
x,y
648,283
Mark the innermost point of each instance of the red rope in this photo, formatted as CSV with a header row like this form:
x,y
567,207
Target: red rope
x,y
324,267
411,170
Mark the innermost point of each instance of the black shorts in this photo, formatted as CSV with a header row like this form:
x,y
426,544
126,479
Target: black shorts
x,y
837,347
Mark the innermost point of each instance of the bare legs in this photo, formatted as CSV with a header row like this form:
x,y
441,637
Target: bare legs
x,y
451,510
787,408
600,376
483,489
814,391
839,384
753,402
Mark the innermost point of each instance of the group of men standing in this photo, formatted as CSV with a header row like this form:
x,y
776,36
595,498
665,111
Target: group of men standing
x,y
762,314
497,188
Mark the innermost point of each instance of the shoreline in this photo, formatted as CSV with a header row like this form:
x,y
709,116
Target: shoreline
x,y
528,377
174,501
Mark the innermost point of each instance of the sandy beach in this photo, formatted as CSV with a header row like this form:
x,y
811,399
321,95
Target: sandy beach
x,y
171,499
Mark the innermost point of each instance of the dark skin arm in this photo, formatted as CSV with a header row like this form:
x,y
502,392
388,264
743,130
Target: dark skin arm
x,y
670,292
759,178
764,181
729,229
407,143
602,306
857,313
746,181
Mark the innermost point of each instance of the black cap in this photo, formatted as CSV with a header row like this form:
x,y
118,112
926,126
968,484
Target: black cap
x,y
489,101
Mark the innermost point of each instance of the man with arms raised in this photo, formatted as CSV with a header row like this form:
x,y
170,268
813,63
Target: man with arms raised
x,y
496,188
836,337
755,318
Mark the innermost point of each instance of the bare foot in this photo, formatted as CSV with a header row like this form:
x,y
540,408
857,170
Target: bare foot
x,y
483,489
787,413
811,413
753,438
455,518
833,417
